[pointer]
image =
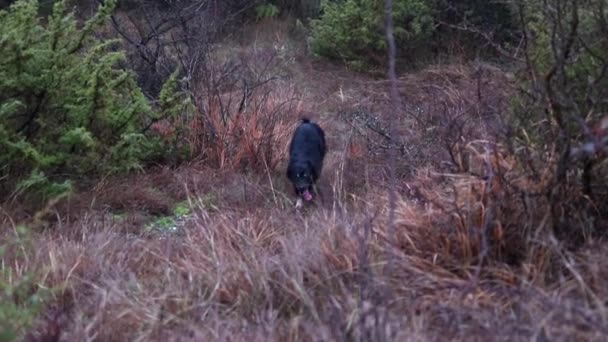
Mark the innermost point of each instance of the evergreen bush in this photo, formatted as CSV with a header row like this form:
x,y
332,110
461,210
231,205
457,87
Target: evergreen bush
x,y
353,30
66,109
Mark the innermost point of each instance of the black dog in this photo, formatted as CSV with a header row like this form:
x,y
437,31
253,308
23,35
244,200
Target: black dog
x,y
306,153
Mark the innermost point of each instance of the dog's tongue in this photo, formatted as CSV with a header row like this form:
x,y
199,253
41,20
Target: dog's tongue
x,y
307,196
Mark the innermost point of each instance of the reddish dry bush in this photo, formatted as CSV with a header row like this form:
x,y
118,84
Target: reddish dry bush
x,y
253,138
477,219
478,202
243,113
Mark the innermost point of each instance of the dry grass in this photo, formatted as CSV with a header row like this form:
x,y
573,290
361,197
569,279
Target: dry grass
x,y
269,273
264,272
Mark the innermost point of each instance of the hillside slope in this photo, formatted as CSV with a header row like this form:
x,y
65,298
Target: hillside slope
x,y
200,253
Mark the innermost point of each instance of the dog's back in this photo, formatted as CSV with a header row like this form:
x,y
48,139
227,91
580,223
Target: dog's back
x,y
308,143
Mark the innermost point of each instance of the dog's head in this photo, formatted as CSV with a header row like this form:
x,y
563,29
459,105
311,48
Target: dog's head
x,y
301,175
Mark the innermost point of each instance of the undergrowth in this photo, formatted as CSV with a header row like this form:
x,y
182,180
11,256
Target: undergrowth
x,y
498,232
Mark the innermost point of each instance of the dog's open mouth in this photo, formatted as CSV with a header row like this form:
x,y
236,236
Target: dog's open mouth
x,y
307,196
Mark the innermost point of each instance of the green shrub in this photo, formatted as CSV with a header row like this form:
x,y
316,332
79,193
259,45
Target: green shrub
x,y
264,11
353,30
20,296
66,108
176,109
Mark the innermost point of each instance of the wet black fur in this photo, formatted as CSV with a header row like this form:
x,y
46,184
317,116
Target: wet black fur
x,y
306,153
